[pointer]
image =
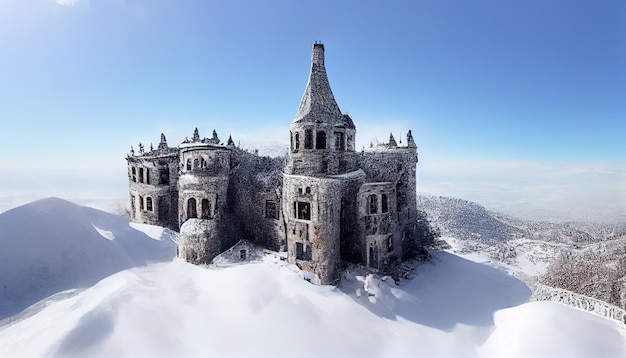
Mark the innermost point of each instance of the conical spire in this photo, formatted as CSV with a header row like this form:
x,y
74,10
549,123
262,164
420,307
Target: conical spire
x,y
392,141
196,135
318,103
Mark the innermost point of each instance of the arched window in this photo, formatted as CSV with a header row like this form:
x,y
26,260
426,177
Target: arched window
x,y
191,208
188,163
149,203
308,190
320,140
372,201
206,209
384,205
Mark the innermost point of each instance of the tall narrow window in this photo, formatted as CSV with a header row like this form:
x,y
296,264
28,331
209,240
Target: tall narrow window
x,y
191,208
134,174
206,209
297,139
320,140
196,163
308,139
299,251
339,142
149,203
141,175
189,164
384,205
140,202
373,203
164,176
147,176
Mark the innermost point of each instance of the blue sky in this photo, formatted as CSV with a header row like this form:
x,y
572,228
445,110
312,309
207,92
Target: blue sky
x,y
510,102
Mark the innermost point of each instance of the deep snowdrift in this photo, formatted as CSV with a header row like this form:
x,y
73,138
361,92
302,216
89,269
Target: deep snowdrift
x,y
260,309
53,245
452,307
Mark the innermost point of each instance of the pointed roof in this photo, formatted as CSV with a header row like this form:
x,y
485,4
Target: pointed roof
x,y
318,103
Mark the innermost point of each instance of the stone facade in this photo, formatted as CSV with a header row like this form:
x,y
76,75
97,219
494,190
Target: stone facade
x,y
325,203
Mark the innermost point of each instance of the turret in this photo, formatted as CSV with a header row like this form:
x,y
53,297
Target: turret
x,y
320,134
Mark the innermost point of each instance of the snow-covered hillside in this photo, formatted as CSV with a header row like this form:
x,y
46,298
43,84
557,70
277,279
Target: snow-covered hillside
x,y
53,245
452,306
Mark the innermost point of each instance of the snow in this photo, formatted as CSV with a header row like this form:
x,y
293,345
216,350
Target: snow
x,y
451,307
52,245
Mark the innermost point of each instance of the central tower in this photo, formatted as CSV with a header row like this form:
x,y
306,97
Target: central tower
x,y
322,138
321,178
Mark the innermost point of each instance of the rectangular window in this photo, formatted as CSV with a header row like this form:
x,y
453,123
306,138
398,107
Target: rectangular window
x,y
270,209
339,141
384,205
373,204
141,203
320,140
299,251
308,139
141,175
147,176
164,176
304,210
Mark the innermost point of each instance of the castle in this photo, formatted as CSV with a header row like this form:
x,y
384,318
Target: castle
x,y
325,204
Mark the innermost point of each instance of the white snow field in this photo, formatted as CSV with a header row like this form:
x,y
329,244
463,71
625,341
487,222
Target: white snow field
x,y
53,245
452,306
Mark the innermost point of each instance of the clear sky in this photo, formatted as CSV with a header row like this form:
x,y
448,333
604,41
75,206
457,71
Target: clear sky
x,y
519,105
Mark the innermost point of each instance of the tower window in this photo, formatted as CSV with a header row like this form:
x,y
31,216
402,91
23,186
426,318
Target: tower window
x,y
297,141
164,176
191,208
339,142
149,203
384,205
141,175
189,164
308,139
320,140
242,254
134,174
206,209
147,176
372,201
303,210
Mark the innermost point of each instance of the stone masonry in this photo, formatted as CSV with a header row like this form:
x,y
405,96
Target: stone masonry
x,y
325,203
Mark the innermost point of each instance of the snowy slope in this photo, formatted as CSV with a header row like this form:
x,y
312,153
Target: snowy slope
x,y
53,245
260,309
451,307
